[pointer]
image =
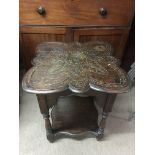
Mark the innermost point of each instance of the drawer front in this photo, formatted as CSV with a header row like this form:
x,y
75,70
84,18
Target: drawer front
x,y
76,12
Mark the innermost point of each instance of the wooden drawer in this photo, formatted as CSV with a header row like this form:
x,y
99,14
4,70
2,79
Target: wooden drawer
x,y
77,12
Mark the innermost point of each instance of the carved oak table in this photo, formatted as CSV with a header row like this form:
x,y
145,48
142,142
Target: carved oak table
x,y
72,83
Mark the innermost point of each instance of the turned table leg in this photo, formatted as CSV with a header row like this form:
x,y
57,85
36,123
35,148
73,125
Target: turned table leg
x,y
100,102
104,105
45,112
100,131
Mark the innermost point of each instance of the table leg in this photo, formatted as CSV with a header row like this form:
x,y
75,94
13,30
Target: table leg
x,y
45,112
100,131
100,102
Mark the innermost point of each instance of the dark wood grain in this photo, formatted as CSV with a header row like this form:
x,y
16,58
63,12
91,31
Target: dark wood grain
x,y
77,12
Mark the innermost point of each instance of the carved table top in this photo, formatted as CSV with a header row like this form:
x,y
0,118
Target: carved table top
x,y
78,67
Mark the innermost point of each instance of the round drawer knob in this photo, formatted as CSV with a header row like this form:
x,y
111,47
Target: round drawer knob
x,y
41,10
103,12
